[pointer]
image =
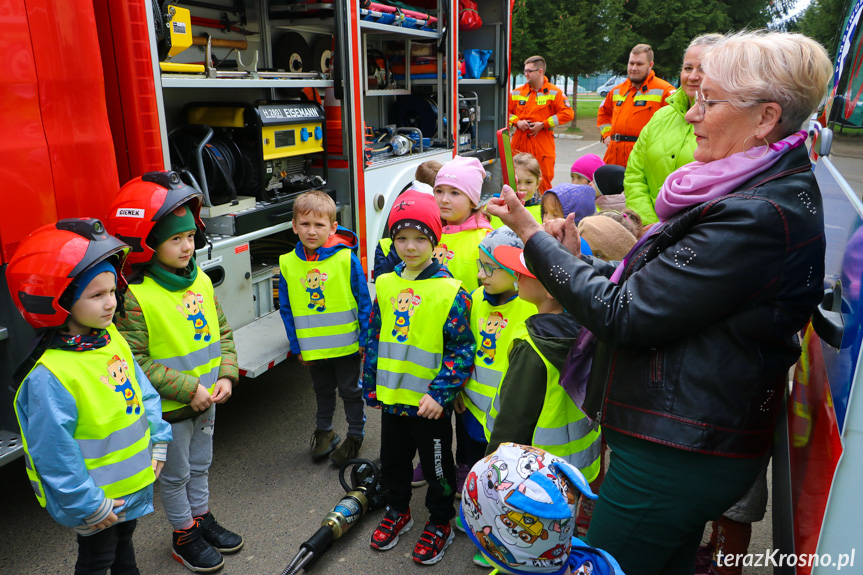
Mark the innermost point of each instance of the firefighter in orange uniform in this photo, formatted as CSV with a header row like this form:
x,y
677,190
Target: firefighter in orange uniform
x,y
535,109
630,105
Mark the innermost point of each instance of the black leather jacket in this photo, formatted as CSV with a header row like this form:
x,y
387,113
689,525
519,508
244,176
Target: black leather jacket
x,y
696,340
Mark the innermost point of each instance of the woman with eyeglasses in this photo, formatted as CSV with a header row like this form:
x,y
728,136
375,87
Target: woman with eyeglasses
x,y
666,142
696,329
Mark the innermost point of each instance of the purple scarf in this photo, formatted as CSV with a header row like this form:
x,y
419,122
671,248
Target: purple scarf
x,y
701,182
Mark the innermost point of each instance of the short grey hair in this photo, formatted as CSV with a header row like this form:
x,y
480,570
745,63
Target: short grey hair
x,y
789,69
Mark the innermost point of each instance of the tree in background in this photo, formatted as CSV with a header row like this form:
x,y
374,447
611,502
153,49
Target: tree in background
x,y
576,37
821,21
669,25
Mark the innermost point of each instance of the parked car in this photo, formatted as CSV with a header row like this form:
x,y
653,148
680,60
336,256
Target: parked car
x,y
609,85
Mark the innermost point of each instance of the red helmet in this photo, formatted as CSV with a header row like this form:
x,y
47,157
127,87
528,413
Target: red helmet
x,y
142,202
48,261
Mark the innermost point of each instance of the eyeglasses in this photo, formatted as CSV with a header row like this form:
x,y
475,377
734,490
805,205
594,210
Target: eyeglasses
x,y
703,102
487,269
528,71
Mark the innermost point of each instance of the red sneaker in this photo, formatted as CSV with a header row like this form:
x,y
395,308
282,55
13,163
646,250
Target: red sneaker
x,y
433,542
392,525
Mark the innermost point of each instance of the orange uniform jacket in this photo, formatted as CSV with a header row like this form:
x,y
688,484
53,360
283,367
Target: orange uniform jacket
x,y
548,105
625,112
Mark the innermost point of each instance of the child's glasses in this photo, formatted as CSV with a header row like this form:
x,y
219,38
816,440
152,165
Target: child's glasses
x,y
485,268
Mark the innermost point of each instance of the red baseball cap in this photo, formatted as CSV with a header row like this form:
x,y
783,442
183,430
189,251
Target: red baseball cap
x,y
512,258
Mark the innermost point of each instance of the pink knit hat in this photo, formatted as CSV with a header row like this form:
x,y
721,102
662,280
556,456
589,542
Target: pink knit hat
x,y
463,174
586,165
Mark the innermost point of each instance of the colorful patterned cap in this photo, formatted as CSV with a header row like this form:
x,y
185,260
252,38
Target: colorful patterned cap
x,y
518,508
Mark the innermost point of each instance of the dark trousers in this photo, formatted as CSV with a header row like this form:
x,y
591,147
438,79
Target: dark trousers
x,y
342,373
655,500
401,438
110,548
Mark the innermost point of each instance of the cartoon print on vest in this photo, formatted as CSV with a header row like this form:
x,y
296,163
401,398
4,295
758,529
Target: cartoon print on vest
x,y
193,309
314,284
489,334
442,254
404,306
118,369
519,528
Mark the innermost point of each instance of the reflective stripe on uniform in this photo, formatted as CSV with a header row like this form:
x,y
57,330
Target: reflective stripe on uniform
x,y
194,359
553,121
329,341
325,320
404,352
649,96
120,470
483,402
402,381
120,439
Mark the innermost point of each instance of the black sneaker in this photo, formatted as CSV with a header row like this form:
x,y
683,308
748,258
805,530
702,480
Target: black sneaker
x,y
433,542
323,443
190,549
218,537
392,525
349,449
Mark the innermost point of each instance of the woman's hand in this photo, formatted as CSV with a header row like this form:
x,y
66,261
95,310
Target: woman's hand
x,y
511,211
566,232
429,408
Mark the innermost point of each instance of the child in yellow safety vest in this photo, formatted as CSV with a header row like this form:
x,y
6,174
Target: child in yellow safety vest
x,y
93,436
324,303
528,175
496,314
534,408
179,334
419,355
386,258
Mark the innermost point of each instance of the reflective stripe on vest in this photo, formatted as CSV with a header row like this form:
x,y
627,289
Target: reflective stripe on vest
x,y
562,429
654,95
323,304
112,431
189,339
410,351
458,252
493,328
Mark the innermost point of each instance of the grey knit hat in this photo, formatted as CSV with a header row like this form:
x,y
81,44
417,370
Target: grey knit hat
x,y
502,236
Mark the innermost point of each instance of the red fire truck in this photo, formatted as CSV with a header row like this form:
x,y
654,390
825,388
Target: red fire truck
x,y
251,101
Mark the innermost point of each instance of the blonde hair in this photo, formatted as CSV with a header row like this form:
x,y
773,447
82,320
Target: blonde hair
x,y
528,163
536,60
643,49
316,202
427,172
705,40
789,69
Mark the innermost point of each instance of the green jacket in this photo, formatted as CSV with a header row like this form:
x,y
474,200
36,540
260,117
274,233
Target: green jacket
x,y
522,390
665,144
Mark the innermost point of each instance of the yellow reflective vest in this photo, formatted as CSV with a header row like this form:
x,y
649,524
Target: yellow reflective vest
x,y
112,430
410,350
183,329
323,305
459,252
562,429
535,210
493,328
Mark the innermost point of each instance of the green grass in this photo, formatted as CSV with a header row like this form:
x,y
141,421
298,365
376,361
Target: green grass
x,y
586,107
